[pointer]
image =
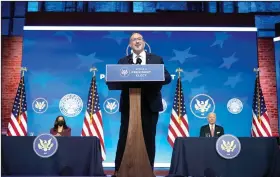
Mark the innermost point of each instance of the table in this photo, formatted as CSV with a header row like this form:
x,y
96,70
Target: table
x,y
197,157
79,156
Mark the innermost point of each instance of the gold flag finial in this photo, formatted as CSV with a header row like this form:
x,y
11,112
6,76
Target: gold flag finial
x,y
23,69
93,69
179,70
257,71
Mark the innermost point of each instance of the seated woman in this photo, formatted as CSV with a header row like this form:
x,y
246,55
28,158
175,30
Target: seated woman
x,y
60,128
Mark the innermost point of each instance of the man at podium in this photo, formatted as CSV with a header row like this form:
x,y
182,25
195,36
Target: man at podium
x,y
151,101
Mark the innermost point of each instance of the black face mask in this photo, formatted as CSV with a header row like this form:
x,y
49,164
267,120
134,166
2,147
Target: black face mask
x,y
60,123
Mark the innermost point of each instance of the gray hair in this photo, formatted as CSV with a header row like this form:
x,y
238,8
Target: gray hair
x,y
212,114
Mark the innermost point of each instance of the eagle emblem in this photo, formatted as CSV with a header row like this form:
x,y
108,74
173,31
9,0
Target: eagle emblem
x,y
45,145
228,146
40,105
111,105
202,106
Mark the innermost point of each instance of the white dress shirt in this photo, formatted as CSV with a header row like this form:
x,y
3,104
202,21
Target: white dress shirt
x,y
142,55
212,126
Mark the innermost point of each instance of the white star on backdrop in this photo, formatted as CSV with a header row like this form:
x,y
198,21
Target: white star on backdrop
x,y
118,36
220,39
181,56
228,61
189,76
232,81
88,60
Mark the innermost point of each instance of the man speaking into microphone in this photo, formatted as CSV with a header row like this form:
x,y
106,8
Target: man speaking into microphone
x,y
151,100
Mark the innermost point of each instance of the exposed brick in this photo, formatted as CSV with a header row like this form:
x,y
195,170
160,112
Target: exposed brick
x,y
11,63
268,79
10,66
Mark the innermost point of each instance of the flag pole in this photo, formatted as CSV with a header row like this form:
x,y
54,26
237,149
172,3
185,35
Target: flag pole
x,y
93,70
179,70
22,69
257,70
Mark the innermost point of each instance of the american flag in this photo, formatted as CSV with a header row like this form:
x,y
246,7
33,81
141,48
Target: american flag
x,y
179,125
93,125
260,123
18,122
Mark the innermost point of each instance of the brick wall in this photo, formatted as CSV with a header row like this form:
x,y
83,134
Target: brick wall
x,y
11,63
10,66
266,57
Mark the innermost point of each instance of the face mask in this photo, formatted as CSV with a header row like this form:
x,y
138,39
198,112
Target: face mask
x,y
60,123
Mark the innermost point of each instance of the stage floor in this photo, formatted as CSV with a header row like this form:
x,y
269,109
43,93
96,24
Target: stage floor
x,y
159,172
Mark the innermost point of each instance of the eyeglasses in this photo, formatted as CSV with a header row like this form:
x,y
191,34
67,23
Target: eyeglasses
x,y
135,39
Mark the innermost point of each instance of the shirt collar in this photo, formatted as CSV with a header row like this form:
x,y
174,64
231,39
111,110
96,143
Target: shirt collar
x,y
141,55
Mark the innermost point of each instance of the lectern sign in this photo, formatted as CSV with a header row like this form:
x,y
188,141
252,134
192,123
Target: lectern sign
x,y
134,73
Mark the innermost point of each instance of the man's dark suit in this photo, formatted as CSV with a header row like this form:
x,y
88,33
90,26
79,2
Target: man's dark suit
x,y
204,130
151,105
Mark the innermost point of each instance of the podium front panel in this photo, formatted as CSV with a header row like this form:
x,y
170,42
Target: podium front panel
x,y
134,73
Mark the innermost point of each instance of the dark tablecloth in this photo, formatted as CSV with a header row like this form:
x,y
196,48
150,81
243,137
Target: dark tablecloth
x,y
197,157
79,156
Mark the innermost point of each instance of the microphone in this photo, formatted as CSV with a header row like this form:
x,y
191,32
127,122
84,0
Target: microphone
x,y
138,61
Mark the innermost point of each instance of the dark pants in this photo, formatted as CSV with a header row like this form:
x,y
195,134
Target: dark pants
x,y
149,123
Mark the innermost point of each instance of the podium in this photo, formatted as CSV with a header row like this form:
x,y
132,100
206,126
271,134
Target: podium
x,y
135,161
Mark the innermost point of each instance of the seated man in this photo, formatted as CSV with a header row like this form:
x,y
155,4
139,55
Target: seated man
x,y
211,129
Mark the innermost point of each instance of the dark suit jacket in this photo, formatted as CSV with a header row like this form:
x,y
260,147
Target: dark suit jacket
x,y
65,132
150,92
219,131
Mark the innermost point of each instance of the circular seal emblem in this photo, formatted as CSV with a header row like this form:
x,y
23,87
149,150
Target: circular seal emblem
x,y
111,105
234,106
147,49
40,105
228,146
124,72
201,105
164,104
45,145
71,105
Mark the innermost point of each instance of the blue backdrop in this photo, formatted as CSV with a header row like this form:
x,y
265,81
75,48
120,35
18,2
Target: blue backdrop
x,y
218,67
277,66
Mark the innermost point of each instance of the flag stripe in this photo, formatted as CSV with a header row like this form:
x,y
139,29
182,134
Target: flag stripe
x,y
17,126
18,122
93,125
266,124
183,128
175,125
171,133
178,128
260,128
